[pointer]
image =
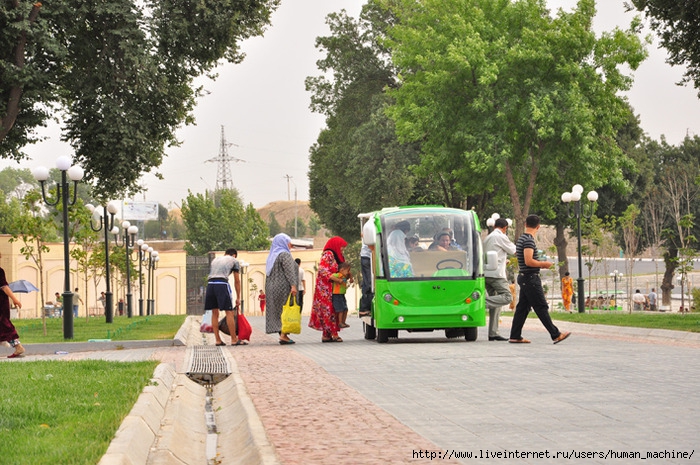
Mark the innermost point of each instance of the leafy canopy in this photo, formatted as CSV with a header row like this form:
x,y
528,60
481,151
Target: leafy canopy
x,y
119,72
503,96
220,221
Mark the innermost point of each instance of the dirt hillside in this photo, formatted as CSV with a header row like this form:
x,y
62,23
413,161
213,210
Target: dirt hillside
x,y
284,211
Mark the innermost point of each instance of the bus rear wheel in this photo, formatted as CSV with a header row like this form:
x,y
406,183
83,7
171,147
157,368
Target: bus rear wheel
x,y
370,331
470,334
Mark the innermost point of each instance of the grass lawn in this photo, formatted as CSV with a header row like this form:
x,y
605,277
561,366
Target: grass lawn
x,y
65,412
122,329
675,321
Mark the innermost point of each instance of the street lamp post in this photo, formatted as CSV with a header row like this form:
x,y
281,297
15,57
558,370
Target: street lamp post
x,y
152,265
575,196
75,173
616,276
106,224
142,247
128,240
244,287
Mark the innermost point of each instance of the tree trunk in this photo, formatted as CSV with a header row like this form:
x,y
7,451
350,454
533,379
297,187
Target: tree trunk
x,y
560,242
667,283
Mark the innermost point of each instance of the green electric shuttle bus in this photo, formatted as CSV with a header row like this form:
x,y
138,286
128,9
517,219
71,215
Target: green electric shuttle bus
x,y
427,271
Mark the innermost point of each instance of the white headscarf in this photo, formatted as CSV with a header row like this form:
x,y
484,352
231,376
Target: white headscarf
x,y
280,243
396,246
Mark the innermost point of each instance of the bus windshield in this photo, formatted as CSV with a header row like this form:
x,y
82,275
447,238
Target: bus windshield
x,y
430,243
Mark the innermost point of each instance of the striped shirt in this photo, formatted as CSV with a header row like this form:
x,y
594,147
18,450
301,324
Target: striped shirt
x,y
526,241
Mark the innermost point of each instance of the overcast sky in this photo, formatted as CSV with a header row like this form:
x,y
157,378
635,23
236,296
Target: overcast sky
x,y
264,109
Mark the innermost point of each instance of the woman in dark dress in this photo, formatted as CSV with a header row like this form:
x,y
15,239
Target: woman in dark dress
x,y
282,276
8,333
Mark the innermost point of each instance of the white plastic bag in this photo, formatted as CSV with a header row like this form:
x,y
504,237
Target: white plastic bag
x,y
206,327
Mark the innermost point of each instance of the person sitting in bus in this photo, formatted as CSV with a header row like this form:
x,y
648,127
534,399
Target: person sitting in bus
x,y
413,244
453,243
399,258
442,242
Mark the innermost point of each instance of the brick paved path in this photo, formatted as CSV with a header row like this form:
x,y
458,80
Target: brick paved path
x,y
313,417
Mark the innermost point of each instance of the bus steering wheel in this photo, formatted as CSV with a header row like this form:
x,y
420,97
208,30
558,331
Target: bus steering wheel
x,y
449,264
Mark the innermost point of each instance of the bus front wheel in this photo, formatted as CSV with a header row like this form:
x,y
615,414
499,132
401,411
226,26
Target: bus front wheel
x,y
370,331
470,334
382,335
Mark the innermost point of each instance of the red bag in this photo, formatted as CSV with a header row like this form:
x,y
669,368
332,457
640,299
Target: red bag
x,y
243,328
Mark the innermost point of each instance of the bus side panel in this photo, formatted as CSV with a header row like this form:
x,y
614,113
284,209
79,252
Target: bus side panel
x,y
429,304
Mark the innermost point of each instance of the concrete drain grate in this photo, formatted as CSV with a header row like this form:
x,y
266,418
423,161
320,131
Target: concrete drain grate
x,y
207,365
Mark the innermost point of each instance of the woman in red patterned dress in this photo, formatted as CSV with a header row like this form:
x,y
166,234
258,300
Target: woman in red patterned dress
x,y
322,315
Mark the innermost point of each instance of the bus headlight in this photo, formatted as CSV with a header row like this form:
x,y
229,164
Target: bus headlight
x,y
476,295
464,317
400,319
388,297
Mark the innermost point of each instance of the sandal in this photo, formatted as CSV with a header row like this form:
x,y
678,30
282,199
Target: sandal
x,y
326,340
337,339
240,343
220,344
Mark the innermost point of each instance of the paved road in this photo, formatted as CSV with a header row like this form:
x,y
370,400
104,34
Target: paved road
x,y
360,402
588,394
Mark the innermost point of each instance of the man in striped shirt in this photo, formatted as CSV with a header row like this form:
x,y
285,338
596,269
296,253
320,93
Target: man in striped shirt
x,y
531,292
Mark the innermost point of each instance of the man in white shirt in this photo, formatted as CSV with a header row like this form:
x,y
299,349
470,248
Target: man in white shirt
x,y
638,300
496,280
301,288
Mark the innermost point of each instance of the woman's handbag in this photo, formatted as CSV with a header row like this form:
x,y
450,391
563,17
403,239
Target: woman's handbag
x,y
291,316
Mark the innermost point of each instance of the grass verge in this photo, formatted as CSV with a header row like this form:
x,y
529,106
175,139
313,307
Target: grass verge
x,y
137,328
675,321
65,412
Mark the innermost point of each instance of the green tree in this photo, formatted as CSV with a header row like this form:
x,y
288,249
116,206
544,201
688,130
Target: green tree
x,y
676,22
10,211
295,230
672,199
274,225
34,231
120,71
88,244
502,90
16,182
314,225
357,164
222,224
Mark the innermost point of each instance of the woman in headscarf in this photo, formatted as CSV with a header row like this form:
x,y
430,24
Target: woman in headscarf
x,y
322,314
282,276
399,258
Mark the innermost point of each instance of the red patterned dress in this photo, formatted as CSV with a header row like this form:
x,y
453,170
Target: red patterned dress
x,y
322,315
